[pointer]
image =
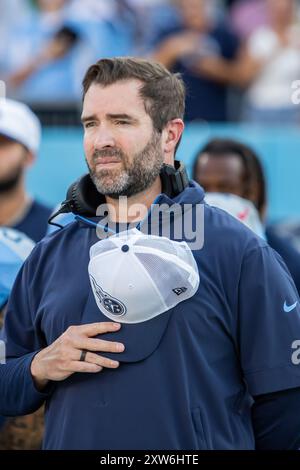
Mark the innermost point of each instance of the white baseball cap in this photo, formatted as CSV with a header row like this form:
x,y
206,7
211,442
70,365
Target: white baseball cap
x,y
19,123
240,208
137,277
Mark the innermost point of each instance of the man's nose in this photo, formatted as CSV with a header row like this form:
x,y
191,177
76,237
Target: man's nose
x,y
104,138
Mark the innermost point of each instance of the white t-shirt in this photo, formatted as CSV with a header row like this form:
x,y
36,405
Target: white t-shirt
x,y
272,87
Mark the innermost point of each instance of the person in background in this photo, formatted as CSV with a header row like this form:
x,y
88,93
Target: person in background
x,y
56,48
290,229
276,46
19,144
228,166
264,68
38,48
152,17
247,15
48,51
14,249
10,20
24,432
186,46
242,209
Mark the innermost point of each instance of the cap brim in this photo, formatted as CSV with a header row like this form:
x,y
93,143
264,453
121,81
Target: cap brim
x,y
15,140
8,136
140,339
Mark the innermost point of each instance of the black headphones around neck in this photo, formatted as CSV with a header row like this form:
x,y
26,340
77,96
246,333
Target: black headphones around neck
x,y
83,198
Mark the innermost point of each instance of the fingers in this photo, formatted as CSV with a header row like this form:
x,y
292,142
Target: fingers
x,y
101,361
93,363
94,329
92,358
98,345
76,366
80,337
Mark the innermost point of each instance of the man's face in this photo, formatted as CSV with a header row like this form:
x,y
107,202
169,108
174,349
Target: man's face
x,y
194,13
123,151
221,174
12,163
51,5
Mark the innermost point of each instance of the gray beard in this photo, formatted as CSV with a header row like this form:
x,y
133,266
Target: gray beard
x,y
135,177
10,183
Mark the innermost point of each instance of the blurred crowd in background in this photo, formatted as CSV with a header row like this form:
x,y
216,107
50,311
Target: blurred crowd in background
x,y
238,58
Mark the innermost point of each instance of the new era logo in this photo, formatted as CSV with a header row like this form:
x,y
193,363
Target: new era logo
x,y
179,290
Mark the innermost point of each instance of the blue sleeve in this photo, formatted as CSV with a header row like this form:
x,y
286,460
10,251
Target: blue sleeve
x,y
276,420
17,390
268,323
228,41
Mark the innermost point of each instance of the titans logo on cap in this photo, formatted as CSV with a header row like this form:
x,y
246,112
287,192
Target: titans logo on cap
x,y
111,304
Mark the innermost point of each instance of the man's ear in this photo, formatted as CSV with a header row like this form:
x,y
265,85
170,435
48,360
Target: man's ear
x,y
170,137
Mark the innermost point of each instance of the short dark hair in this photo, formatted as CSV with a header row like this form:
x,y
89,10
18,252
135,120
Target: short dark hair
x,y
253,170
163,92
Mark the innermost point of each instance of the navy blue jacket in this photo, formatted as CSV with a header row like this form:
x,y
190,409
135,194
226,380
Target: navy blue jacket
x,y
35,222
192,387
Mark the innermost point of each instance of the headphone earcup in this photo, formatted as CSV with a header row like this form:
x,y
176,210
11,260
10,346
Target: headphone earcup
x,y
174,179
84,196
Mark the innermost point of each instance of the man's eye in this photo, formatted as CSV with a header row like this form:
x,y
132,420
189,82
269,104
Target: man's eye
x,y
89,124
120,122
